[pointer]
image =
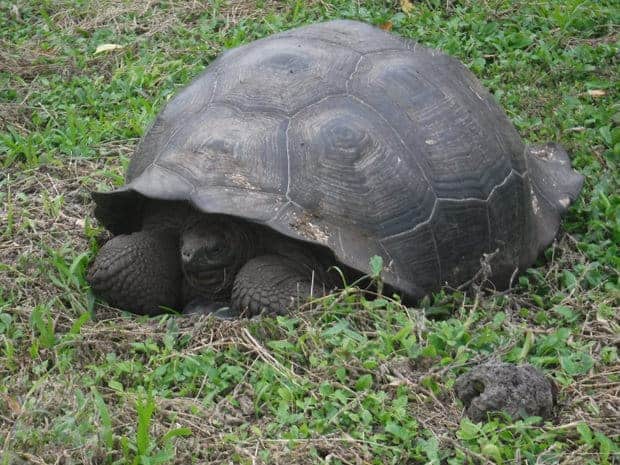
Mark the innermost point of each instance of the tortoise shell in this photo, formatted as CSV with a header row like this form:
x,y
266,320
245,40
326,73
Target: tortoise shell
x,y
347,136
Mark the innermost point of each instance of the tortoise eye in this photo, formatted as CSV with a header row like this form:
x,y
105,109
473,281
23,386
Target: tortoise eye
x,y
215,250
215,246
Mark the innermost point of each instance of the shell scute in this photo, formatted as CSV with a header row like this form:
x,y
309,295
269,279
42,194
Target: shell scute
x,y
284,74
348,169
240,149
460,155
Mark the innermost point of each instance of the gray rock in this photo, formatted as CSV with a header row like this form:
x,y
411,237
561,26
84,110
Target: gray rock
x,y
519,391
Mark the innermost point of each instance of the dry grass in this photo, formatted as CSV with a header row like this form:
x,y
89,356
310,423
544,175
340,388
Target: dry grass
x,y
151,17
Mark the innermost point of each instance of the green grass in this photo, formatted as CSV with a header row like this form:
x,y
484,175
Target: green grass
x,y
349,380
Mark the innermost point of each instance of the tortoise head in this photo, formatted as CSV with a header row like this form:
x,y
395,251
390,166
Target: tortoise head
x,y
213,248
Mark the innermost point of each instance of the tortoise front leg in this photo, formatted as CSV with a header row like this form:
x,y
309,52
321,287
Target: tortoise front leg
x,y
274,284
139,272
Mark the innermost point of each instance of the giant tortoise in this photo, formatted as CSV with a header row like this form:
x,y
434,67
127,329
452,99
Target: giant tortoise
x,y
326,145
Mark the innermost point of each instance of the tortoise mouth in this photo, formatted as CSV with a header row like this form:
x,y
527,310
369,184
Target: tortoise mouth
x,y
200,268
211,282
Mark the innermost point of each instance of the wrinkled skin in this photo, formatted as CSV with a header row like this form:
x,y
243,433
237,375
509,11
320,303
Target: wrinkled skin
x,y
199,263
519,391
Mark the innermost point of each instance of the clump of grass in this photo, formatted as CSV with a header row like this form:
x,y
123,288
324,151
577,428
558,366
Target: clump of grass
x,y
349,379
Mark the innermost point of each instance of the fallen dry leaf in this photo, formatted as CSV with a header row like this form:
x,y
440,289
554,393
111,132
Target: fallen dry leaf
x,y
15,13
387,26
406,6
107,48
13,405
596,93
